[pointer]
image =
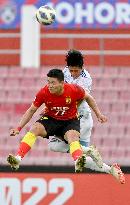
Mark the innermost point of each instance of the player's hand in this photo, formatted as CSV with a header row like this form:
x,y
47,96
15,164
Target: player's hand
x,y
14,132
102,118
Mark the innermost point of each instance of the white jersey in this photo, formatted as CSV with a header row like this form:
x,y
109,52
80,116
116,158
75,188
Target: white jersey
x,y
85,81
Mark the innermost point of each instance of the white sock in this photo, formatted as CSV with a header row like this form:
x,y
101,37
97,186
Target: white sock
x,y
92,165
19,158
85,149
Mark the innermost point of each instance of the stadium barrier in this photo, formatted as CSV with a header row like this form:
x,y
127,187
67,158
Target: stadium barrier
x,y
60,189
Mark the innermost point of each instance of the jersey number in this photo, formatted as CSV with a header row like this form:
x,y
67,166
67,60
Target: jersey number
x,y
11,190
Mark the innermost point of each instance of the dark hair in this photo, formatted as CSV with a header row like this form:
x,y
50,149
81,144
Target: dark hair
x,y
56,73
74,58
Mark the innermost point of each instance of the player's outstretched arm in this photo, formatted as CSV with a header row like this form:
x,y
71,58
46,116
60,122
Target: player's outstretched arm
x,y
92,103
25,119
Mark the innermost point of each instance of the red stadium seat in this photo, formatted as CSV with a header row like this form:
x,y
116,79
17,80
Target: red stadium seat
x,y
2,83
31,73
124,142
105,83
118,107
95,72
28,97
105,106
120,84
3,72
15,72
117,154
111,72
105,152
124,119
110,95
117,130
18,88
3,96
14,96
100,130
4,130
11,83
125,96
124,72
97,94
27,82
110,142
113,118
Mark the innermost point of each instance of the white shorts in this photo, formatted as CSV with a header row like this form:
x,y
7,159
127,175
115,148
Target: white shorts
x,y
86,124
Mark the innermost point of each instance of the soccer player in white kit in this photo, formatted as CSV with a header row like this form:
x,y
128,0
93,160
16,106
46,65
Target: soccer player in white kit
x,y
76,74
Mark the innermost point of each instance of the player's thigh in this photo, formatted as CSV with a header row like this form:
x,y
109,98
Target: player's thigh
x,y
86,124
58,145
72,130
38,129
50,125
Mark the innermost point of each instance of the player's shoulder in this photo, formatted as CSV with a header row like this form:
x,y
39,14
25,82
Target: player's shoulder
x,y
73,87
85,74
69,86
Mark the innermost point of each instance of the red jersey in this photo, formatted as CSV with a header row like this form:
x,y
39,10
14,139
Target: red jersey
x,y
60,107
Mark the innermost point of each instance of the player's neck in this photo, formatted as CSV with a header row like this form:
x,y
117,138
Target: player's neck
x,y
60,91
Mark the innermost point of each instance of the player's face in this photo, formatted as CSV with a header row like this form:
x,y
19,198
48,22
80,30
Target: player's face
x,y
75,71
55,86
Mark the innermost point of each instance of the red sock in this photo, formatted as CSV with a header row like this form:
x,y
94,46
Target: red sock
x,y
23,149
77,154
75,150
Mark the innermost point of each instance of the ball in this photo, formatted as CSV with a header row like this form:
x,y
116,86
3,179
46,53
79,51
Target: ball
x,y
45,15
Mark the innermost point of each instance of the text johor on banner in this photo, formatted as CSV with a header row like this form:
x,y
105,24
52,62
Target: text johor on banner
x,y
71,13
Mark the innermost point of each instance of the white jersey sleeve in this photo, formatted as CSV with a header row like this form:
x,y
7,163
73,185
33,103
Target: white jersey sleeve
x,y
85,81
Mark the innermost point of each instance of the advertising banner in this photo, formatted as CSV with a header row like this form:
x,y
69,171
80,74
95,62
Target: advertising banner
x,y
62,189
71,13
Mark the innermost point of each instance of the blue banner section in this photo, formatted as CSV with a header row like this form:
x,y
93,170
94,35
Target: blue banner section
x,y
71,13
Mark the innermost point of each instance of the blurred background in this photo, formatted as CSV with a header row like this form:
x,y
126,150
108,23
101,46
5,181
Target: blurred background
x,y
101,31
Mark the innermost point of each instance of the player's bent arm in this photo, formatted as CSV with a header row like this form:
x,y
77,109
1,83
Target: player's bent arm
x,y
27,115
92,103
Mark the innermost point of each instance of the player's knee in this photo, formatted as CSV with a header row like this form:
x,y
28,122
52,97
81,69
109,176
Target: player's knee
x,y
38,129
71,136
51,146
57,145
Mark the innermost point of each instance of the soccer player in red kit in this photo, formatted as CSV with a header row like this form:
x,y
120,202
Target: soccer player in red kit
x,y
60,118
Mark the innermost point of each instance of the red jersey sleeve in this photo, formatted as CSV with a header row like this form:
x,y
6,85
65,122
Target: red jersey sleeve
x,y
39,98
80,92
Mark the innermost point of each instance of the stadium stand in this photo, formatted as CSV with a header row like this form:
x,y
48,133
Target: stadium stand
x,y
111,90
107,60
103,48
